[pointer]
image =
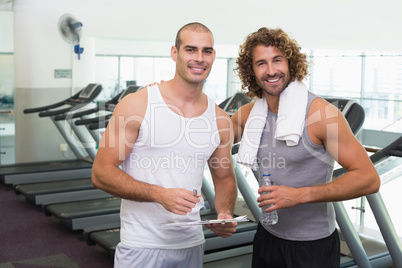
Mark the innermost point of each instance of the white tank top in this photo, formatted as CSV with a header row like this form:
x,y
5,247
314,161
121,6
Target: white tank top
x,y
171,151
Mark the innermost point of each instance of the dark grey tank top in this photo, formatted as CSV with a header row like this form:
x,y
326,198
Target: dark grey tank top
x,y
303,165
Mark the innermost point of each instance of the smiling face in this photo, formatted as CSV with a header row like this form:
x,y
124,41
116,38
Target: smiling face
x,y
194,57
271,69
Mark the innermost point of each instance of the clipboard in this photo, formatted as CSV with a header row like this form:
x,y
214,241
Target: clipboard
x,y
221,221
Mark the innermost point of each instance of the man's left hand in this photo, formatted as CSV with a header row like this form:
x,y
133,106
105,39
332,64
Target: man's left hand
x,y
223,230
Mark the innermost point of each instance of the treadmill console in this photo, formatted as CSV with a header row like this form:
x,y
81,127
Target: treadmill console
x,y
232,104
129,90
88,91
353,112
342,104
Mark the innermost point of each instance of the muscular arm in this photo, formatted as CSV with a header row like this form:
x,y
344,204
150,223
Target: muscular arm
x,y
221,168
115,147
327,125
334,132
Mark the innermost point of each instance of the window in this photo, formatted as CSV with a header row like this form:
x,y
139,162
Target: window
x,y
374,80
216,85
107,74
336,75
145,70
382,95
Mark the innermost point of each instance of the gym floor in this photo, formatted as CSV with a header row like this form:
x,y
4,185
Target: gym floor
x,y
28,238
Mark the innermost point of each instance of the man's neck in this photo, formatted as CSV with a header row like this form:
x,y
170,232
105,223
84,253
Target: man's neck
x,y
273,103
189,99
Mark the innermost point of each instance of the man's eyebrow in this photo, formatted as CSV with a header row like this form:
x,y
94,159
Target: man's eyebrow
x,y
278,56
188,46
194,47
260,61
274,58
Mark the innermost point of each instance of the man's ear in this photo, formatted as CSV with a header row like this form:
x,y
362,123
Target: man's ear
x,y
173,53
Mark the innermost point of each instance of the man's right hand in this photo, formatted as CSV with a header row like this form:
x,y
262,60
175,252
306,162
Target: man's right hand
x,y
179,201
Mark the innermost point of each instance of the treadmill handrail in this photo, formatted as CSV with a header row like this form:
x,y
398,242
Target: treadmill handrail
x,y
73,101
51,106
104,107
385,152
98,125
88,121
107,106
75,115
54,112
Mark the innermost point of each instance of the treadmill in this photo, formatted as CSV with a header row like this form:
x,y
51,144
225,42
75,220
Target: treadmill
x,y
54,170
53,192
364,250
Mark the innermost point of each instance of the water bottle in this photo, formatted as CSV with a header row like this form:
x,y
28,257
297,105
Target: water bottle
x,y
267,218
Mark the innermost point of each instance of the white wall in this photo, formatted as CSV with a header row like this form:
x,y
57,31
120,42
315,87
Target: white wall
x,y
39,50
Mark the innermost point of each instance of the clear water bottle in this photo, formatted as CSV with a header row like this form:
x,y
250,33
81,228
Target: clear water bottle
x,y
267,218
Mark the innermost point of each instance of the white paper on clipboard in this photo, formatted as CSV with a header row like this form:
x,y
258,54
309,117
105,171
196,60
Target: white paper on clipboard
x,y
222,221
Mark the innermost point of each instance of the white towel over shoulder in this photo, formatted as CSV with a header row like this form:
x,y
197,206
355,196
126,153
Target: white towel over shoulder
x,y
289,124
292,113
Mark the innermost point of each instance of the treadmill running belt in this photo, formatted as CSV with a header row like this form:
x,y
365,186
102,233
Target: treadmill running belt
x,y
43,166
84,209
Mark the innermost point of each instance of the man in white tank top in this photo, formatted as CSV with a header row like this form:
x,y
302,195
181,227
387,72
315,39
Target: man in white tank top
x,y
269,63
163,136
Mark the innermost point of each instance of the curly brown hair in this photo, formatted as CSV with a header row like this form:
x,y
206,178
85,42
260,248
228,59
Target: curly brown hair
x,y
298,64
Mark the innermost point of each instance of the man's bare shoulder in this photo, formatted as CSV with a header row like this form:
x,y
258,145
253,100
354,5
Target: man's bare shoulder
x,y
324,109
246,108
134,103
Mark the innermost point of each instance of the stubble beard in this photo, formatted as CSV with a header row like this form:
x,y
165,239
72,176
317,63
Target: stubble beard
x,y
274,93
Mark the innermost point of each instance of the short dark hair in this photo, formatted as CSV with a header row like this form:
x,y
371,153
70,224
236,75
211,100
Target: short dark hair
x,y
298,64
193,26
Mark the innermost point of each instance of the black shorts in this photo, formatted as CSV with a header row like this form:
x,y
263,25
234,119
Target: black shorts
x,y
271,251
